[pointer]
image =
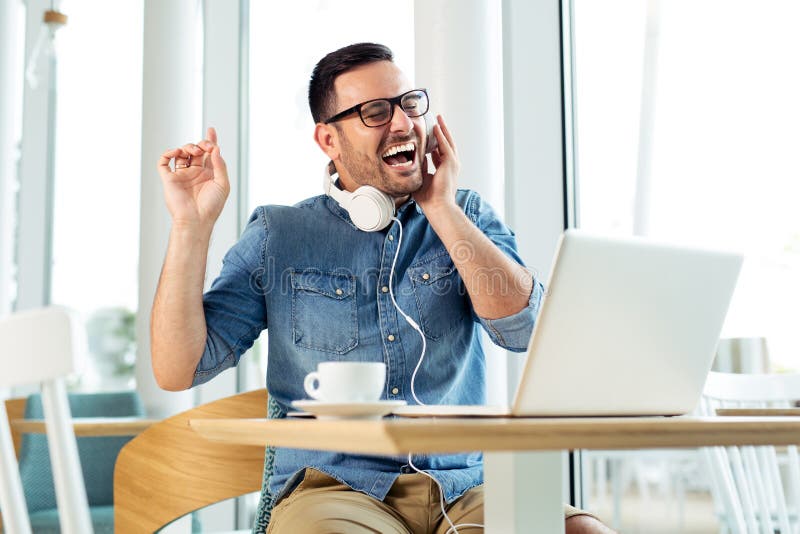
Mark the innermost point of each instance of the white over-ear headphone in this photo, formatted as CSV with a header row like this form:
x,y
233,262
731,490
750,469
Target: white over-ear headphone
x,y
369,208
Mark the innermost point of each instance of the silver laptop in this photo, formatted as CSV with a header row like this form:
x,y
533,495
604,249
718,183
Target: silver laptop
x,y
627,327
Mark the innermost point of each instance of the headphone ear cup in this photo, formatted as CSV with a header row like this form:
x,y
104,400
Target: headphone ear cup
x,y
370,209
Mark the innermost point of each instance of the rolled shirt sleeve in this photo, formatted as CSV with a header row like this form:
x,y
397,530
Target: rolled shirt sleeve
x,y
514,331
234,306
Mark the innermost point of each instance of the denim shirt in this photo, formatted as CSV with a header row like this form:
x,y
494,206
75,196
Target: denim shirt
x,y
317,282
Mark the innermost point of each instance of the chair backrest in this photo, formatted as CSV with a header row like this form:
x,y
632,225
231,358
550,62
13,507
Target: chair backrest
x,y
40,346
97,454
751,484
168,470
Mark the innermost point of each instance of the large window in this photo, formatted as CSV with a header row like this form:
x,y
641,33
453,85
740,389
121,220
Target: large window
x,y
700,147
97,179
686,115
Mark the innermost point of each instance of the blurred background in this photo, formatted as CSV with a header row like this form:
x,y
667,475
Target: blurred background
x,y
675,120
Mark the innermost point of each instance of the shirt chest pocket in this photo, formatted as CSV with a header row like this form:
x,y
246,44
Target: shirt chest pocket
x,y
324,313
440,295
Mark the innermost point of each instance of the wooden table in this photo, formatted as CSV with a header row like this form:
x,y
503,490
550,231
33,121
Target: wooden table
x,y
524,458
89,426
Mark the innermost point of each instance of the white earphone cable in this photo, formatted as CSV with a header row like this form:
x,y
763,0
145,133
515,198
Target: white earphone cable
x,y
408,319
453,528
441,493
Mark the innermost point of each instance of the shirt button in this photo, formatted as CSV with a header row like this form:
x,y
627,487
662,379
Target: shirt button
x,y
391,238
390,337
385,289
395,391
426,276
338,291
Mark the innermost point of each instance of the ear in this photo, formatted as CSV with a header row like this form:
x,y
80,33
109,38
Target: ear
x,y
327,138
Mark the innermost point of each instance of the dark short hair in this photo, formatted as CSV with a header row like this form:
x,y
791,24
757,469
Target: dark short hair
x,y
321,96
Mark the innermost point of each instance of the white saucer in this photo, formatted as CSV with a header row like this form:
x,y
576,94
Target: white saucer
x,y
348,410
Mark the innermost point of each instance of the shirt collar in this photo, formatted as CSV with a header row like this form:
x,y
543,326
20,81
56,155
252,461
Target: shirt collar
x,y
337,210
405,205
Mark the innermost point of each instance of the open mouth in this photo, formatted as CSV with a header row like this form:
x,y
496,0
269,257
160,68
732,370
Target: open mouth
x,y
400,156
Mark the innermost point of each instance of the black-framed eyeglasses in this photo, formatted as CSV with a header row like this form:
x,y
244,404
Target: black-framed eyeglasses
x,y
380,111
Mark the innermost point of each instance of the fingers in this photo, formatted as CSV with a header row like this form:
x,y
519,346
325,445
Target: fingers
x,y
217,161
166,157
203,146
164,160
444,134
220,168
192,150
182,157
436,158
192,155
442,146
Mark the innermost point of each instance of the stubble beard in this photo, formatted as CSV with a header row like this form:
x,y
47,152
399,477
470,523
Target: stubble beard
x,y
371,170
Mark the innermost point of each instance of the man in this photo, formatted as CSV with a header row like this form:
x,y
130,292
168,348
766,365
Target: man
x,y
321,285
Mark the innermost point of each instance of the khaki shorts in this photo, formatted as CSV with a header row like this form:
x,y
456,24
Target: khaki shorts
x,y
321,504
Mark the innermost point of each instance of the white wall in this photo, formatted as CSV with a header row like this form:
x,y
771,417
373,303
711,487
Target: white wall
x,y
171,117
458,58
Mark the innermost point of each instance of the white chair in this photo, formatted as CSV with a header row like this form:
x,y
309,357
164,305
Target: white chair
x,y
755,489
40,346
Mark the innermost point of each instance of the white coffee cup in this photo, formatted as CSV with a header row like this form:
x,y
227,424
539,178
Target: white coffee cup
x,y
346,381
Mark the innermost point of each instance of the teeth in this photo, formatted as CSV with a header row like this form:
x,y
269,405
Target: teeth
x,y
408,147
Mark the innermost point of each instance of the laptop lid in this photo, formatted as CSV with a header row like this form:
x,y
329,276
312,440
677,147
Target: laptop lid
x,y
626,327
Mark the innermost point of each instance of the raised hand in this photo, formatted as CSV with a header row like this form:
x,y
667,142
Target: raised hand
x,y
196,188
439,189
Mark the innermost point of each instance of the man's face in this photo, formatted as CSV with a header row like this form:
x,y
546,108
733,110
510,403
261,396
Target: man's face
x,y
362,149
